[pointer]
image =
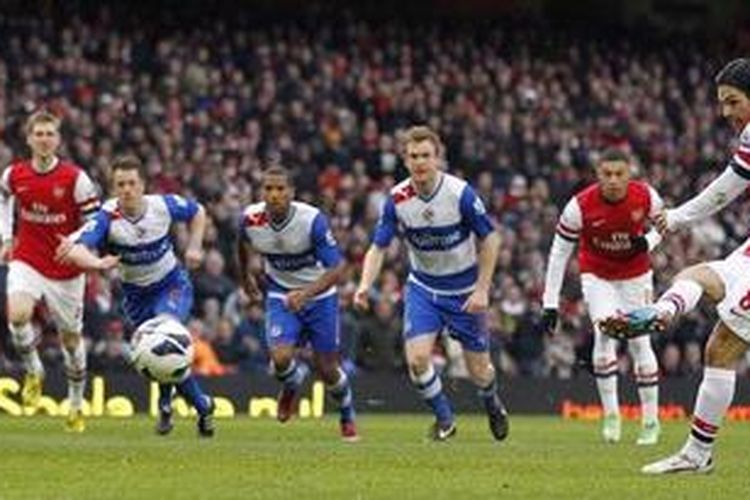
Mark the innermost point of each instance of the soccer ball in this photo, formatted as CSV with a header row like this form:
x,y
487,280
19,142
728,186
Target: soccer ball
x,y
162,350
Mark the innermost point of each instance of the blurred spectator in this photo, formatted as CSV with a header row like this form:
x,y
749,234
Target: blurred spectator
x,y
111,353
205,360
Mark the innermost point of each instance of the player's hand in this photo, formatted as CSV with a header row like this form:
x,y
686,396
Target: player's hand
x,y
296,299
251,291
193,257
639,244
5,251
108,262
661,223
64,246
478,302
361,299
549,321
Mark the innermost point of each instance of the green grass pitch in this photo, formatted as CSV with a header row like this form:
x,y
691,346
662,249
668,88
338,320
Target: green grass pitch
x,y
544,457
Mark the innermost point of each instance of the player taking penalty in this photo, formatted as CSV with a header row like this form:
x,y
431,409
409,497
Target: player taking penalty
x,y
726,282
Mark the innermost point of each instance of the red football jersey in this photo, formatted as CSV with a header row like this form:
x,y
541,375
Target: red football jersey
x,y
47,206
604,232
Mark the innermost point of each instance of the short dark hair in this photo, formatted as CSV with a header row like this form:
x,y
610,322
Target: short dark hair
x,y
613,154
736,74
279,171
129,162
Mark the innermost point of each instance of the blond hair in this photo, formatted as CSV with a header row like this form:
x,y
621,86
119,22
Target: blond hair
x,y
41,116
420,133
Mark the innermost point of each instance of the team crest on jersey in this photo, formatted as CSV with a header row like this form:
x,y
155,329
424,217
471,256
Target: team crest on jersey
x,y
275,331
278,243
637,215
140,231
58,192
428,214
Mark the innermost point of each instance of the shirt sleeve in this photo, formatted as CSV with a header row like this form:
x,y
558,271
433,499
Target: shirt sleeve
x,y
718,194
6,206
180,209
324,243
559,254
385,229
474,213
94,232
86,195
657,204
571,222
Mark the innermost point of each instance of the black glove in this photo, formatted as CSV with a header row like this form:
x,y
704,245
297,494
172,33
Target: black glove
x,y
549,321
639,244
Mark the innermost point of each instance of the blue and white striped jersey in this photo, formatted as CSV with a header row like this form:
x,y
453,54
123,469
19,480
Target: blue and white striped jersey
x,y
440,233
143,244
296,252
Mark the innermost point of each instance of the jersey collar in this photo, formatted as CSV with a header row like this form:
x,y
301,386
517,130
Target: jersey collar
x,y
285,222
435,190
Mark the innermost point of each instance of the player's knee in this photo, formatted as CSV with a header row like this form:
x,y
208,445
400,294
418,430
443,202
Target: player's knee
x,y
482,373
18,317
70,340
281,359
419,363
717,355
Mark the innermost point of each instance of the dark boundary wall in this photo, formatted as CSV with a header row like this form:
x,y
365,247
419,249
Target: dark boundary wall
x,y
126,394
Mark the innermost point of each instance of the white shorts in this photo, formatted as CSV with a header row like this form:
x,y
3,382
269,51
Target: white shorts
x,y
605,297
64,298
734,309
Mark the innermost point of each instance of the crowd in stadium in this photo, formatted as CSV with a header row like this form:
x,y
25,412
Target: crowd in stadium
x,y
523,114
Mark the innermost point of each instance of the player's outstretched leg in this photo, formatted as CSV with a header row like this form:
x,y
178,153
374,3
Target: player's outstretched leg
x,y
291,375
203,404
24,340
74,358
164,424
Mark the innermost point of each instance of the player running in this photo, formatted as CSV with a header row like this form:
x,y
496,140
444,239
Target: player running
x,y
726,282
441,219
135,228
302,266
608,220
49,198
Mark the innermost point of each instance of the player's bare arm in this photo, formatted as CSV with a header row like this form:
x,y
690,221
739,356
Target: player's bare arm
x,y
371,266
479,299
296,299
197,228
84,258
247,280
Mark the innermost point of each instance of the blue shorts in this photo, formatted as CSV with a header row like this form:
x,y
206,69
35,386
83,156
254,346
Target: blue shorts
x,y
317,322
426,312
171,295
